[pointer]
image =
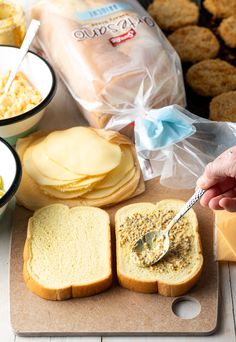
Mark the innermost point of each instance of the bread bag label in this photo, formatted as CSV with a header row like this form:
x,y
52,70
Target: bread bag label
x,y
98,12
109,26
114,59
116,18
122,38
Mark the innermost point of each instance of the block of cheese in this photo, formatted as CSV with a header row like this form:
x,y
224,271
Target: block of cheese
x,y
78,166
226,235
67,252
112,56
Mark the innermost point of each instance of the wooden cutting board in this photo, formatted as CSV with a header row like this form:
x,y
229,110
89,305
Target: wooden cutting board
x,y
117,311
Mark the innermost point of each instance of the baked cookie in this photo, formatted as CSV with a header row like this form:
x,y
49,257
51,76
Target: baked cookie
x,y
194,43
172,14
211,77
227,31
220,8
223,107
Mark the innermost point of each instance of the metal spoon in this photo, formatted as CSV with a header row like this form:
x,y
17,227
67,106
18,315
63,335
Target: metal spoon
x,y
29,37
154,245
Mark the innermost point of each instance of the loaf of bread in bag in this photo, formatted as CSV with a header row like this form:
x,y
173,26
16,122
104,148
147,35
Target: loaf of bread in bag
x,y
107,78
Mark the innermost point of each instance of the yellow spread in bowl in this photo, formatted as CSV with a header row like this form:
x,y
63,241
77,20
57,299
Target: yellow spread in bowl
x,y
21,97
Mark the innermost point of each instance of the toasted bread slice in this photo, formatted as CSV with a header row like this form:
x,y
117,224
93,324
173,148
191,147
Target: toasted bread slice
x,y
179,270
68,252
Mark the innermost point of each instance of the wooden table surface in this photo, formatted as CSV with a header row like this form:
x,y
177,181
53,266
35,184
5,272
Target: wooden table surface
x,y
227,305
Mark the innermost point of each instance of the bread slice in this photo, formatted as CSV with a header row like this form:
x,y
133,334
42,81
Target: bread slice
x,y
176,273
67,252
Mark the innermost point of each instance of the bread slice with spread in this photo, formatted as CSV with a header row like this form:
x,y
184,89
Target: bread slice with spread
x,y
180,269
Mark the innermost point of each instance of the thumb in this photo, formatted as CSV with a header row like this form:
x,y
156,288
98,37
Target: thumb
x,y
221,168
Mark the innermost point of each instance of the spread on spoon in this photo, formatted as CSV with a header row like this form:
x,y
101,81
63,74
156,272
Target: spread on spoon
x,y
150,250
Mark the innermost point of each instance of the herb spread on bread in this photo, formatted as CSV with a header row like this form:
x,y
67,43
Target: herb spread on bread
x,y
137,225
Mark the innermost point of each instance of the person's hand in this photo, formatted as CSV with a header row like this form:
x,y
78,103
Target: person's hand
x,y
219,179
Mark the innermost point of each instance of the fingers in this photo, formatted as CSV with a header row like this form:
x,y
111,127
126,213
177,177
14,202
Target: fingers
x,y
217,190
226,201
208,196
215,203
228,204
220,169
219,179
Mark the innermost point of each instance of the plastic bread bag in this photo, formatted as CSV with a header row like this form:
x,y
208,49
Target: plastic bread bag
x,y
176,145
111,55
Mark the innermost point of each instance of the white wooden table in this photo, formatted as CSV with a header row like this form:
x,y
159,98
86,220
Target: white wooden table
x,y
227,309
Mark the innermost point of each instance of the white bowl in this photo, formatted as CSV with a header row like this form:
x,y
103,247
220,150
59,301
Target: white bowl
x,y
42,77
10,171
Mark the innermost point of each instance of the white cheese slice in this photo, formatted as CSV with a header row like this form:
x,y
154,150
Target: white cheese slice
x,y
81,150
116,175
44,170
101,193
53,192
80,184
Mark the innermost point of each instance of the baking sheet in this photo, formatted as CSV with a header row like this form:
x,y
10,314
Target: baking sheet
x,y
197,104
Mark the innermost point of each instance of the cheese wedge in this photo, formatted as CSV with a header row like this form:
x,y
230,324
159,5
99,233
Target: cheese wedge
x,y
226,232
73,148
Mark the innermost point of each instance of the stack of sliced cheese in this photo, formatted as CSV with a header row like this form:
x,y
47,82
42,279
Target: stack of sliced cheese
x,y
80,165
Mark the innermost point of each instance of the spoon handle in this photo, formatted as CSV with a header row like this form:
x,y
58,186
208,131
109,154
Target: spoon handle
x,y
196,196
30,34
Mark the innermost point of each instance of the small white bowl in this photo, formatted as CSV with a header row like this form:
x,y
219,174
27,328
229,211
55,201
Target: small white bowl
x,y
10,171
42,77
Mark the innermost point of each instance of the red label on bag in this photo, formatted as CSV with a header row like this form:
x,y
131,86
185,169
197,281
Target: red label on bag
x,y
123,37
